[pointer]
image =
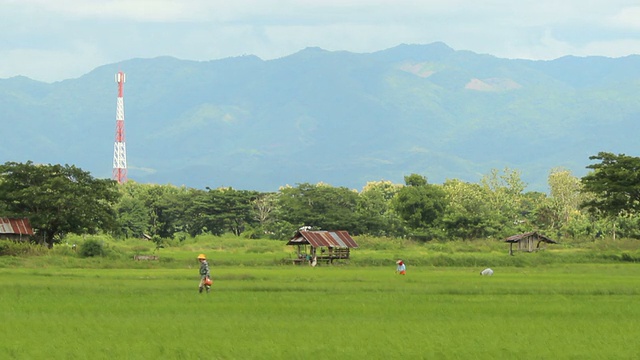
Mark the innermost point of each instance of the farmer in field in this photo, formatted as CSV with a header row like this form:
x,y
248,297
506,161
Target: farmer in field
x,y
205,274
401,269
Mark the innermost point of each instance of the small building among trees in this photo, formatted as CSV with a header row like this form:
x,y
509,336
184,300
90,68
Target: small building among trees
x,y
314,246
527,240
16,229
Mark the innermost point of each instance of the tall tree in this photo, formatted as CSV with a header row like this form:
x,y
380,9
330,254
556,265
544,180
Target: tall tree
x,y
133,217
263,206
374,210
614,184
468,214
238,209
505,197
58,199
321,206
222,210
421,206
564,189
264,209
165,206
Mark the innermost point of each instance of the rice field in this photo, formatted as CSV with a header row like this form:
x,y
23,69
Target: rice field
x,y
581,311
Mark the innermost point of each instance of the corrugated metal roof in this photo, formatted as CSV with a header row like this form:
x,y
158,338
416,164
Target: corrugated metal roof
x,y
518,237
337,239
15,226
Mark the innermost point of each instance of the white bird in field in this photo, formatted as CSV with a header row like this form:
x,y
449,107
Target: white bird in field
x,y
486,272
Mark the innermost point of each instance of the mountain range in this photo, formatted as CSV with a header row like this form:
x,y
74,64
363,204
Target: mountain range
x,y
336,117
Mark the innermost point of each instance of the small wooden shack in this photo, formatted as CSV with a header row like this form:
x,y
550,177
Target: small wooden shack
x,y
527,240
16,229
314,246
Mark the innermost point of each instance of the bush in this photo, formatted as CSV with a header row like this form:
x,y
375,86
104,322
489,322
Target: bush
x,y
18,248
91,248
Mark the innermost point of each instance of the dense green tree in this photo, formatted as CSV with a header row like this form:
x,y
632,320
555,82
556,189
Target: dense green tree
x,y
175,210
614,186
165,205
320,206
58,199
222,210
421,206
374,211
529,202
505,198
584,225
565,191
415,180
132,217
468,214
238,209
546,214
202,214
628,226
553,213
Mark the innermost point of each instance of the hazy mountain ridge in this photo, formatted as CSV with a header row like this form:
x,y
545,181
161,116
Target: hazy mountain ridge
x,y
338,117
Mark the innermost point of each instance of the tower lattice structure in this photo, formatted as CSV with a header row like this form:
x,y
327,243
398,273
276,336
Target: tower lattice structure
x,y
119,147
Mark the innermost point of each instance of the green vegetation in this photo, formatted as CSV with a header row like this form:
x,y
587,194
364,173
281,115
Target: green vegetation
x,y
57,199
91,248
572,300
87,297
62,200
559,311
229,250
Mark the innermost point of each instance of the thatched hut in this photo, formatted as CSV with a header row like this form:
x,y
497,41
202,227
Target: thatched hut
x,y
527,240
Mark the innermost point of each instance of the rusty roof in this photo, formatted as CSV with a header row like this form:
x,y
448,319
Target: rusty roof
x,y
20,226
518,237
335,239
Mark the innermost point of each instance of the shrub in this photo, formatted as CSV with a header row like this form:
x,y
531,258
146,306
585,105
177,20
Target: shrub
x,y
628,257
17,248
91,248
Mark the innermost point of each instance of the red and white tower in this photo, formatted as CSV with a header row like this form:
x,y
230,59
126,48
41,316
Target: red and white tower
x,y
119,148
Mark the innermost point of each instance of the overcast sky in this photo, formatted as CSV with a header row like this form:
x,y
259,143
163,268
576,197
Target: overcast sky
x,y
52,40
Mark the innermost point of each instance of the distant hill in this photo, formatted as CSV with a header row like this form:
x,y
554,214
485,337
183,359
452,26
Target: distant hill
x,y
338,117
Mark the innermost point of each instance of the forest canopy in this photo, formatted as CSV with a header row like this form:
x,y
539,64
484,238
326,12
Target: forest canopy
x,y
65,199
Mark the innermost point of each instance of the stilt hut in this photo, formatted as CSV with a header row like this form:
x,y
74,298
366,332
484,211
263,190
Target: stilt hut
x,y
527,240
314,246
16,229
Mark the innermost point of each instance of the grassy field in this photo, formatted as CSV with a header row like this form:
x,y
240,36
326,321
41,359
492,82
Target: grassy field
x,y
560,311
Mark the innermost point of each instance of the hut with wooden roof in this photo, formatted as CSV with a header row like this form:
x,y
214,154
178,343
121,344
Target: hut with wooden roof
x,y
315,246
527,240
16,229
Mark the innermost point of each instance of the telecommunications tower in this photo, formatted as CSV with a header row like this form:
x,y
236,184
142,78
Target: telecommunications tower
x,y
119,148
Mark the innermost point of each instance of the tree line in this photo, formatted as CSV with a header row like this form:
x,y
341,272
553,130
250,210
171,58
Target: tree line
x,y
62,199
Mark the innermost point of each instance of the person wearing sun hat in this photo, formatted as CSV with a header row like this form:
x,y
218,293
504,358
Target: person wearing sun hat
x,y
205,275
401,269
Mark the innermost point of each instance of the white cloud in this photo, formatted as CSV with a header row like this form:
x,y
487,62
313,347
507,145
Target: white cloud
x,y
50,65
139,10
612,48
51,40
628,18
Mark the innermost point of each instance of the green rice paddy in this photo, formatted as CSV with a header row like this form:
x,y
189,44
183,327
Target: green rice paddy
x,y
560,311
